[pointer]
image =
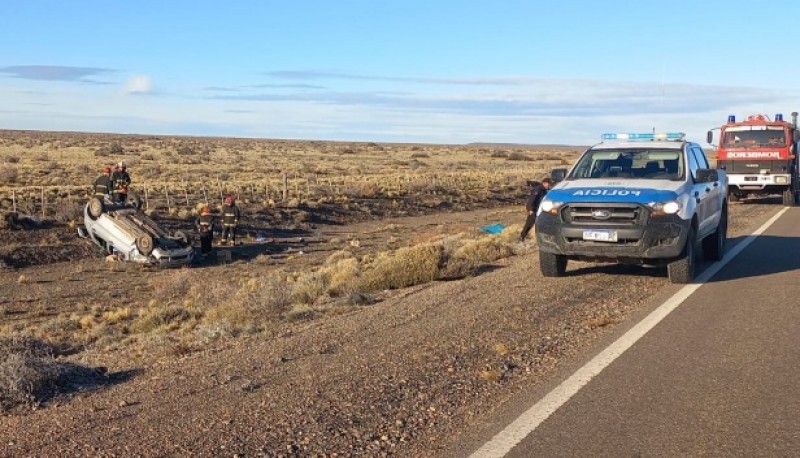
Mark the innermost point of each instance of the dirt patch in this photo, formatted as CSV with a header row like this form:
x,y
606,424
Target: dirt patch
x,y
401,377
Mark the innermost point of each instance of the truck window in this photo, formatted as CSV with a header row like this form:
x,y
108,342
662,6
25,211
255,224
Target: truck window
x,y
700,158
754,136
693,165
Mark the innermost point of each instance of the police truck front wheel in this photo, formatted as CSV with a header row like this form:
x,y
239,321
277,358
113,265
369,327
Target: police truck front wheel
x,y
681,270
552,265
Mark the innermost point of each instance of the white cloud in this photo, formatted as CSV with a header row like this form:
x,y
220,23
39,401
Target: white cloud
x,y
138,85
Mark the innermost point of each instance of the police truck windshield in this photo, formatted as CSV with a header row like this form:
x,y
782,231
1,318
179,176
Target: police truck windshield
x,y
630,164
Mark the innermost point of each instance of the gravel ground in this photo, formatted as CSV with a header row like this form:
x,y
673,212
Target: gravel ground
x,y
404,377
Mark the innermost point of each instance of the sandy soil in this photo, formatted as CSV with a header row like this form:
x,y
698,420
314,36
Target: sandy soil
x,y
405,376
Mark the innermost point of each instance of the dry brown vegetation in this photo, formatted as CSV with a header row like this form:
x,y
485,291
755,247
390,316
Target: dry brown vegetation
x,y
290,186
41,171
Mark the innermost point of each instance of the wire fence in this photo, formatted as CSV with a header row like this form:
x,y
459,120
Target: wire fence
x,y
46,201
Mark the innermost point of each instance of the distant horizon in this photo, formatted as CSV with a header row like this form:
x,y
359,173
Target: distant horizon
x,y
131,134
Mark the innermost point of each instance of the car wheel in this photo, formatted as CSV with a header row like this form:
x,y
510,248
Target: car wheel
x,y
144,244
552,265
96,207
134,201
714,244
180,235
681,270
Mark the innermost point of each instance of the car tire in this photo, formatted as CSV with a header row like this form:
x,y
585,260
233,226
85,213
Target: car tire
x,y
681,270
96,208
144,244
714,244
133,200
552,265
180,235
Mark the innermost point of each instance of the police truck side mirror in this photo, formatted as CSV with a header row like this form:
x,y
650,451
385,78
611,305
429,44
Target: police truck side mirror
x,y
558,174
706,176
709,137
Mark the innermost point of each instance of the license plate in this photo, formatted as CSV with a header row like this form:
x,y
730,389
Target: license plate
x,y
600,235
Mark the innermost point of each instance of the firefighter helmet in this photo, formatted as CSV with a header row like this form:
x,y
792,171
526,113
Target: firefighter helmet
x,y
205,210
229,200
106,169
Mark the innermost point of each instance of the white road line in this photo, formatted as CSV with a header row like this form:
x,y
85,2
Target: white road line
x,y
513,434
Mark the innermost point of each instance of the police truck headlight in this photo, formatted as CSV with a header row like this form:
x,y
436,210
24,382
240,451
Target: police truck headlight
x,y
665,208
550,206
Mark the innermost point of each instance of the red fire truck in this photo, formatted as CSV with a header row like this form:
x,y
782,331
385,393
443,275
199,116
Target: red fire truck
x,y
760,156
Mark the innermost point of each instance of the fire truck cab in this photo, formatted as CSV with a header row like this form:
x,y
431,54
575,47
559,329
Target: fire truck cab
x,y
760,156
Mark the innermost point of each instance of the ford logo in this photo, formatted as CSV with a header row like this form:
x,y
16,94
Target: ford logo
x,y
601,214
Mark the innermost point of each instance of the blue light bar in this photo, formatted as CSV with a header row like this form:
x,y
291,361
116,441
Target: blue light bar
x,y
645,136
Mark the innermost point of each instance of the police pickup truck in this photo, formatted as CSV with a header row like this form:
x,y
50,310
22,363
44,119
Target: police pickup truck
x,y
647,199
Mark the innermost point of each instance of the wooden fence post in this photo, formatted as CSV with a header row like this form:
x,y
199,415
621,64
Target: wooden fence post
x,y
166,193
285,187
146,199
44,202
185,192
14,199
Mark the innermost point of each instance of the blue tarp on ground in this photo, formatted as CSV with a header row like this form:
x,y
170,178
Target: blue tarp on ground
x,y
493,228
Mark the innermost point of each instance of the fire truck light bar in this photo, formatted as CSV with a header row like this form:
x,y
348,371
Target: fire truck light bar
x,y
645,136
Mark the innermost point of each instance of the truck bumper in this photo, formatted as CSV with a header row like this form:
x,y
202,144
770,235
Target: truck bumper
x,y
660,240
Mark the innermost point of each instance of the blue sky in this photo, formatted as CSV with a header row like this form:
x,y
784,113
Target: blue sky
x,y
411,71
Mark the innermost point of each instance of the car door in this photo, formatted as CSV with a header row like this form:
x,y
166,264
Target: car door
x,y
702,192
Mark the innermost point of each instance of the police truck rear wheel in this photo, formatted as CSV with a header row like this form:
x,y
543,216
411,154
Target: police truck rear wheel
x,y
681,270
144,244
96,207
552,265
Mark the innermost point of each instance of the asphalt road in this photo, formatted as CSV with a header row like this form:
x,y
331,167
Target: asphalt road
x,y
719,376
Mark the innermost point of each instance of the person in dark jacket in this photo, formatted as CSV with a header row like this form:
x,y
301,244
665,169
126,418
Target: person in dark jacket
x,y
102,185
538,191
230,220
205,226
120,181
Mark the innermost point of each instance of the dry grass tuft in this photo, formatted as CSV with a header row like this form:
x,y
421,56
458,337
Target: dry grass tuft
x,y
256,304
483,250
309,286
115,316
501,349
407,266
166,319
489,375
599,322
30,374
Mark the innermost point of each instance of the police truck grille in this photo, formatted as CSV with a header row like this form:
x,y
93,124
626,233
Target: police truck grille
x,y
605,214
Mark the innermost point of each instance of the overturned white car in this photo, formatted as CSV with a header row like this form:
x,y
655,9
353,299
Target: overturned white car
x,y
125,231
